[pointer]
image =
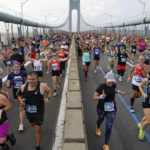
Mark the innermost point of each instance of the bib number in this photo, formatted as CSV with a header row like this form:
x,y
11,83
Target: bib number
x,y
54,66
138,78
109,106
31,108
123,59
36,68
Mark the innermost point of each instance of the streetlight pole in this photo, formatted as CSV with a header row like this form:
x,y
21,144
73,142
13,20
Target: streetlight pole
x,y
22,29
144,4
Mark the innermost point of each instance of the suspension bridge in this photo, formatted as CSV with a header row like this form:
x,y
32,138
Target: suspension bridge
x,y
68,124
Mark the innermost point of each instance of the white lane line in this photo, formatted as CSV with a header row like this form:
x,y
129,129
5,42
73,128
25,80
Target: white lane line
x,y
26,64
61,117
129,64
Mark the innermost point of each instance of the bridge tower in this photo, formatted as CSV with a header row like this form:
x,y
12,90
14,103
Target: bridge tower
x,y
74,4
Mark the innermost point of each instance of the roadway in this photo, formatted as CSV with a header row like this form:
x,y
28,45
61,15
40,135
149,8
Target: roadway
x,y
124,132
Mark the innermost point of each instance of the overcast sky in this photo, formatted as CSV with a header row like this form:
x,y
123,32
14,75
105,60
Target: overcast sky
x,y
93,11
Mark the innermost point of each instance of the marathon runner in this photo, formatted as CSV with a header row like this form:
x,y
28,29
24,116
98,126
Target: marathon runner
x,y
31,95
106,107
16,79
141,71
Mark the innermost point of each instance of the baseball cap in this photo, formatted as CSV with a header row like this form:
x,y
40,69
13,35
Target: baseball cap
x,y
110,77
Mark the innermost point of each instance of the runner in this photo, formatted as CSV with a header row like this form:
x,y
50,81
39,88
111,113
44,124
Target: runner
x,y
105,95
141,71
142,46
6,58
133,51
16,57
147,55
112,56
54,64
86,61
97,51
17,78
1,84
33,100
37,64
61,55
4,106
122,59
146,108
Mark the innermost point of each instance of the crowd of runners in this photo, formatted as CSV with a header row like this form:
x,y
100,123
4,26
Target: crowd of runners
x,y
118,49
29,91
51,52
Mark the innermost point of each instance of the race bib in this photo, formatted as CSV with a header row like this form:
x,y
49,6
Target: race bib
x,y
8,62
109,106
123,59
17,84
31,108
54,66
137,78
133,50
96,52
37,68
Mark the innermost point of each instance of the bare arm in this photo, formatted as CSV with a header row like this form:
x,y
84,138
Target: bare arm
x,y
144,82
130,72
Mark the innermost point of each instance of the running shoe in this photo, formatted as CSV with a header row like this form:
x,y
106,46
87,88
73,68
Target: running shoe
x,y
98,131
11,138
95,71
54,94
120,78
20,129
5,147
37,148
85,79
141,135
132,110
105,147
117,75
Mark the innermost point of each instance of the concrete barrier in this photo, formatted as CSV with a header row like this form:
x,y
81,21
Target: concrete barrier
x,y
74,136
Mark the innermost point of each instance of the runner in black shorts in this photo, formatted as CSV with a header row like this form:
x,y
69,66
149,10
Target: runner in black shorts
x,y
146,107
31,95
17,78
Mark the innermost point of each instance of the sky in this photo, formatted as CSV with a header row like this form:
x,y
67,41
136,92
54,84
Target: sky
x,y
94,12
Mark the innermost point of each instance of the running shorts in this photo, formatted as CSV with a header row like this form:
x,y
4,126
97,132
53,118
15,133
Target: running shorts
x,y
4,129
36,118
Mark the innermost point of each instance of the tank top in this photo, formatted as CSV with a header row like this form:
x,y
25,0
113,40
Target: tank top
x,y
55,65
96,51
4,116
61,54
34,100
37,65
138,75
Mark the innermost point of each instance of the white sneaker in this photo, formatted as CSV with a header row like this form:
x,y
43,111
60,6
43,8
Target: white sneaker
x,y
20,129
95,71
132,110
54,94
120,78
